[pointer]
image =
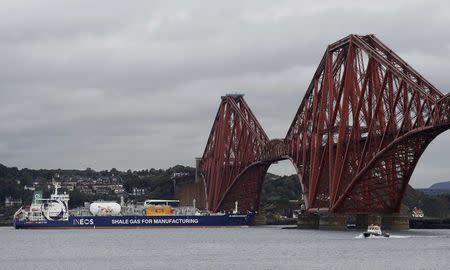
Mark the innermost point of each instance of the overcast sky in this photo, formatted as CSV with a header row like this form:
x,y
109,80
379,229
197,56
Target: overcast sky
x,y
136,84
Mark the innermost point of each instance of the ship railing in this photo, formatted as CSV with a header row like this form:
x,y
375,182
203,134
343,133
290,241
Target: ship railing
x,y
18,213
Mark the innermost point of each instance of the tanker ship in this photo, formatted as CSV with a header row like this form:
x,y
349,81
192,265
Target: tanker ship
x,y
54,213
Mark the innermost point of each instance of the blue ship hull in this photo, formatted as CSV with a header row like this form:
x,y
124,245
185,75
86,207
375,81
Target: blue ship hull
x,y
86,222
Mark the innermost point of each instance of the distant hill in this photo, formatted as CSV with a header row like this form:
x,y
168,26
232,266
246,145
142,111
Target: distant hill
x,y
433,202
441,185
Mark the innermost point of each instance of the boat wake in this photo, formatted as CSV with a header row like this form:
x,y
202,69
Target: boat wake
x,y
400,236
361,236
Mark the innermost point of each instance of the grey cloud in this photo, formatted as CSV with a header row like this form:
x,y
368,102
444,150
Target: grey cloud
x,y
137,85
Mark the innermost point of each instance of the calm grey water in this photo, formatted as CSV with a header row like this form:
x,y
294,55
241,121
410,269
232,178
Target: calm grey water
x,y
243,248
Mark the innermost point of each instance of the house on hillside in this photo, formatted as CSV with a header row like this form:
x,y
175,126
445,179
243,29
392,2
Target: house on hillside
x,y
9,201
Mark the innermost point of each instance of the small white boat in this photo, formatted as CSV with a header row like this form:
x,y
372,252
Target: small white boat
x,y
374,230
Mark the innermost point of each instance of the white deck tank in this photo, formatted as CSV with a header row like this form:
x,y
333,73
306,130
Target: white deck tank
x,y
105,208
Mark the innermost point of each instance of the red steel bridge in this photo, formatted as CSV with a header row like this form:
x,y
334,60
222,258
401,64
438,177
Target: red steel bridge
x,y
355,140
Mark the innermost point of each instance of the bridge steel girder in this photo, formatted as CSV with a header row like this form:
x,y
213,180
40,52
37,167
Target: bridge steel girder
x,y
236,141
355,140
358,134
